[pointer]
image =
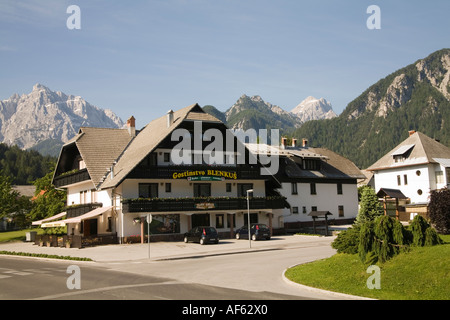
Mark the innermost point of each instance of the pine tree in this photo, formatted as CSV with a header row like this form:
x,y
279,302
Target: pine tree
x,y
370,207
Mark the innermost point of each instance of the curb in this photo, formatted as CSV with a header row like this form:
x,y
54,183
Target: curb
x,y
322,291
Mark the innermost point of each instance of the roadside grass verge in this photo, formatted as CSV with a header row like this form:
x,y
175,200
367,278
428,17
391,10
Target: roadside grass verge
x,y
420,274
43,255
19,235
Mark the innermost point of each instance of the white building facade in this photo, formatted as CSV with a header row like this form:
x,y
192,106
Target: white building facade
x,y
115,178
415,167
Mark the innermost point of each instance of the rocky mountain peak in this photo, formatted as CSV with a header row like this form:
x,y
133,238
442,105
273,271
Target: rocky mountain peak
x,y
44,114
313,109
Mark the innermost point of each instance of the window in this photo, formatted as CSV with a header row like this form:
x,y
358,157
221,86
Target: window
x,y
229,217
168,187
405,179
309,164
398,158
243,187
447,171
200,220
399,180
219,221
228,187
148,190
339,188
295,210
439,177
312,187
253,218
304,209
341,211
419,192
166,157
313,208
153,159
294,187
202,190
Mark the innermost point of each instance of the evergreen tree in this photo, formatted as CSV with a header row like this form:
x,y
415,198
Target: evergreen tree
x,y
370,207
8,196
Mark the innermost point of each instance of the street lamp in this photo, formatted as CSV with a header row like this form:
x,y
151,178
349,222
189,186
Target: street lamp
x,y
248,216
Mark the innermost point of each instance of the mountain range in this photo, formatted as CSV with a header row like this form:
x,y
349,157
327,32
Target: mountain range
x,y
416,97
47,119
253,112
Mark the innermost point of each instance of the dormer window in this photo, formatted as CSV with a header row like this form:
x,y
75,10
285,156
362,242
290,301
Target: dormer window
x,y
398,158
402,153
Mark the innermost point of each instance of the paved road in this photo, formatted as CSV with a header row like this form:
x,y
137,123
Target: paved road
x,y
176,271
47,280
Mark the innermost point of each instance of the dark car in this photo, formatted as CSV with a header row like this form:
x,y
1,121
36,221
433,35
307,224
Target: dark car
x,y
257,231
202,234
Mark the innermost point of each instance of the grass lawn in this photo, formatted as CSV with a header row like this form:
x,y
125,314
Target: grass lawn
x,y
421,274
19,235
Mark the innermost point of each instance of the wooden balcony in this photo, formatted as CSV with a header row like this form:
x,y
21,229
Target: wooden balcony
x,y
201,204
80,209
66,179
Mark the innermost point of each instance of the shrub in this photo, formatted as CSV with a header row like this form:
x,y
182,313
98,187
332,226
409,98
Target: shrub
x,y
347,241
418,227
439,209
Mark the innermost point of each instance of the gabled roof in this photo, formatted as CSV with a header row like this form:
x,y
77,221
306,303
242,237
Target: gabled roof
x,y
147,140
391,193
417,149
333,165
99,148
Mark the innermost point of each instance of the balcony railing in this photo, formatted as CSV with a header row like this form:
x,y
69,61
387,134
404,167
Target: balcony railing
x,y
80,209
201,204
66,179
168,172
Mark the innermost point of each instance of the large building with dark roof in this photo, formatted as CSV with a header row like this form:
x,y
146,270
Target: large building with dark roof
x,y
115,178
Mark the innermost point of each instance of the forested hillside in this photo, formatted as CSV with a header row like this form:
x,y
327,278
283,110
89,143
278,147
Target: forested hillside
x,y
23,166
416,97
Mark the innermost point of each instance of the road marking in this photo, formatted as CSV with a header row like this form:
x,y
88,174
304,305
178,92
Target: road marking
x,y
78,292
3,276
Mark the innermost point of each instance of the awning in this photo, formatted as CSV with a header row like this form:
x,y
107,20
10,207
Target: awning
x,y
90,214
55,217
59,223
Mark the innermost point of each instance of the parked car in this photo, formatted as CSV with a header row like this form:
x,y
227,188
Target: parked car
x,y
257,231
202,234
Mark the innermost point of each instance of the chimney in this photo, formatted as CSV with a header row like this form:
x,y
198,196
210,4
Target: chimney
x,y
411,132
169,118
283,142
305,142
131,126
294,142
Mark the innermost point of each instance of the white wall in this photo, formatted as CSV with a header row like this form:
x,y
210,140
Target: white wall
x,y
325,199
426,181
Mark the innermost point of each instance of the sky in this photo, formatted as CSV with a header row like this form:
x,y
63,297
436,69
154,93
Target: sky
x,y
143,58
